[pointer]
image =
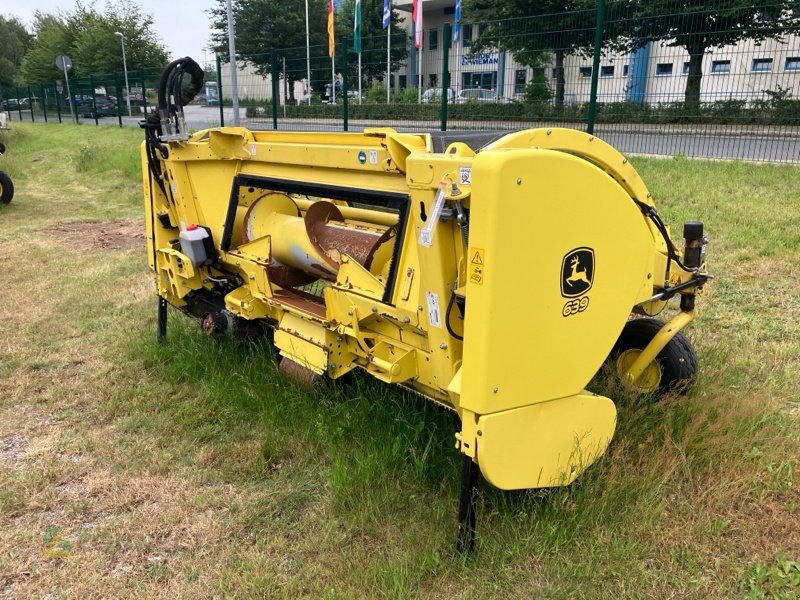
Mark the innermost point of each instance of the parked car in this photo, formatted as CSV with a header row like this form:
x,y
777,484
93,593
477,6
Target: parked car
x,y
10,104
100,106
434,95
479,95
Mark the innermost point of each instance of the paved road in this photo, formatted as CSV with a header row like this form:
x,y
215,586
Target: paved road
x,y
751,143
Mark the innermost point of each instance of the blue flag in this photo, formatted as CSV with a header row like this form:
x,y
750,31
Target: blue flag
x,y
457,23
387,13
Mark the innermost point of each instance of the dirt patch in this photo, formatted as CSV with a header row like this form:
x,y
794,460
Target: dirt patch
x,y
102,235
13,447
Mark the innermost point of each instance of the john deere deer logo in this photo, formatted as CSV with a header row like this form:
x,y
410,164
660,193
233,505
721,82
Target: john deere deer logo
x,y
577,272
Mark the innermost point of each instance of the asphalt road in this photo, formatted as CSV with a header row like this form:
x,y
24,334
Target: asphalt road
x,y
761,144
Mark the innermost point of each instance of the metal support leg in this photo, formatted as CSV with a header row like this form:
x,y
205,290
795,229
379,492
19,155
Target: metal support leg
x,y
161,319
466,506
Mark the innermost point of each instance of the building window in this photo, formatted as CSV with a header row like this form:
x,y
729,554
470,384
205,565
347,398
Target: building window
x,y
624,70
792,63
520,79
449,10
762,65
607,71
554,74
584,72
402,82
664,69
686,67
721,66
487,80
466,35
433,80
433,39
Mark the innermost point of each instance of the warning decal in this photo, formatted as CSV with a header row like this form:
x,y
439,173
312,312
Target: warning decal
x,y
475,271
434,316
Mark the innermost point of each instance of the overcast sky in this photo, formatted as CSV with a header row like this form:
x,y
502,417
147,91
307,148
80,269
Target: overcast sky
x,y
182,25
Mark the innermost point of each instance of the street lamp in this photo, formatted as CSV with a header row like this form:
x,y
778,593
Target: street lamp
x,y
125,68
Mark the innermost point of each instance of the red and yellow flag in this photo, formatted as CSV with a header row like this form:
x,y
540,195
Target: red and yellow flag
x,y
331,40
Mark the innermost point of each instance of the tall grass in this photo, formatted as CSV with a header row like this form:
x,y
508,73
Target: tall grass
x,y
204,473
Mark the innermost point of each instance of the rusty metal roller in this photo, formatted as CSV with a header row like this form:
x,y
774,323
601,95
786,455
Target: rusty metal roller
x,y
313,243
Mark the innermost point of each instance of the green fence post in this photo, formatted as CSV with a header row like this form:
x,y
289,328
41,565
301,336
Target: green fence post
x,y
31,98
219,92
44,101
344,84
144,93
75,107
598,43
118,91
94,101
19,106
273,64
58,103
445,73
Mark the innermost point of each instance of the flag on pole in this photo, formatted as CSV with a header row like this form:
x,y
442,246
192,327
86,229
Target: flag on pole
x,y
357,27
387,13
331,40
457,23
417,16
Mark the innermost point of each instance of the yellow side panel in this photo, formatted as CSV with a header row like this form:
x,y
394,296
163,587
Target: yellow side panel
x,y
303,342
536,328
546,444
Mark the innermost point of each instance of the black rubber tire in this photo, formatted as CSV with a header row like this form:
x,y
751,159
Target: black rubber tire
x,y
2,148
677,361
6,188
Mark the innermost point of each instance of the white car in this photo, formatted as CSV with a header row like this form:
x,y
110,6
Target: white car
x,y
434,95
479,95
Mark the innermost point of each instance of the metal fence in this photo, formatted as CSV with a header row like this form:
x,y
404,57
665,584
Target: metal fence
x,y
690,81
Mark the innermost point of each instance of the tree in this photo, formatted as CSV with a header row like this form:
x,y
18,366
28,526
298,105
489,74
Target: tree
x,y
14,41
96,46
531,29
698,26
51,38
261,25
88,38
373,39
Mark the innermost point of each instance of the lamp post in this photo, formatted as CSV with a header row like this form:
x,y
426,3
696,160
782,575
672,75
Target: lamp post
x,y
125,68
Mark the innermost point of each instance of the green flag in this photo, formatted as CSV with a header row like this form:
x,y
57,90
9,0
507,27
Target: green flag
x,y
357,27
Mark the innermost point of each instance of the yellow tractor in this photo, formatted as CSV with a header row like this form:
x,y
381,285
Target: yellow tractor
x,y
495,283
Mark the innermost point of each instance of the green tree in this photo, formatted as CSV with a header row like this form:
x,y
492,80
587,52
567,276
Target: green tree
x,y
261,25
14,41
88,38
531,29
698,26
51,38
373,39
96,46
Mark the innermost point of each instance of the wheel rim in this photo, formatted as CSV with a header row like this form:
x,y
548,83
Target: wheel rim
x,y
650,378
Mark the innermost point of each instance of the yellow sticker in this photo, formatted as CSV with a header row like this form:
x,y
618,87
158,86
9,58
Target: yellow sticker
x,y
475,273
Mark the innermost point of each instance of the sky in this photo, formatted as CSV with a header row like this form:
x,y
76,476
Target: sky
x,y
181,25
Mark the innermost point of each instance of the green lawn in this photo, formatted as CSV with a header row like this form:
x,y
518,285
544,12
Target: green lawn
x,y
192,469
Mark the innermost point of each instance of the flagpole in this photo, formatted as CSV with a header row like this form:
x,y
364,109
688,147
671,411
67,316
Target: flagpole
x,y
419,38
357,40
332,53
389,57
419,72
308,59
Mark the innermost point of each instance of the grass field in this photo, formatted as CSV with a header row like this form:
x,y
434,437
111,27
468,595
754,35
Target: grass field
x,y
192,469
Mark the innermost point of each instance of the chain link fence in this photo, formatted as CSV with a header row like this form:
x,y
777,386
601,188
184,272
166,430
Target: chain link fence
x,y
703,81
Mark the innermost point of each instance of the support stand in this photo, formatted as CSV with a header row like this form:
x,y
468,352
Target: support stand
x,y
466,506
161,319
